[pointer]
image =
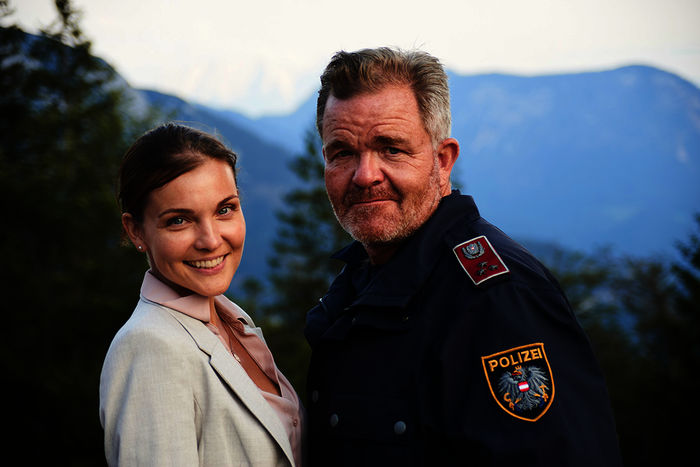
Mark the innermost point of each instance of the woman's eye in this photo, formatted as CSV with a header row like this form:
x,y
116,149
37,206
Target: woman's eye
x,y
176,221
227,210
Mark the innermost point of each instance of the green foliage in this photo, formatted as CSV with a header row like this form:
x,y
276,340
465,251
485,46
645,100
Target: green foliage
x,y
641,316
301,267
64,124
687,274
5,9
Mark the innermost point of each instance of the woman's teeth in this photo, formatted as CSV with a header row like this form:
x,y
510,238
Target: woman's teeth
x,y
206,264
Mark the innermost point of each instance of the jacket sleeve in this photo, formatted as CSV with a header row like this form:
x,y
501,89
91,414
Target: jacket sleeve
x,y
147,406
518,320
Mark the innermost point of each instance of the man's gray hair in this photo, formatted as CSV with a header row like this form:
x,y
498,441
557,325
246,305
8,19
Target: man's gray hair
x,y
370,70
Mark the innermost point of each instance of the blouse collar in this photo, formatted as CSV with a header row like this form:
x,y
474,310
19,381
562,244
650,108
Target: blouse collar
x,y
195,306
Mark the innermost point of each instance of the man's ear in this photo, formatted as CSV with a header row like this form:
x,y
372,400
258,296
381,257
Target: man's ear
x,y
447,154
134,231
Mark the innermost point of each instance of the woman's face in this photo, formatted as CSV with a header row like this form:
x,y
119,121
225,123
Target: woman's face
x,y
193,230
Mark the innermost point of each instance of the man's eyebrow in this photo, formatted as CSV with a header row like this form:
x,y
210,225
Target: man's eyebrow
x,y
336,144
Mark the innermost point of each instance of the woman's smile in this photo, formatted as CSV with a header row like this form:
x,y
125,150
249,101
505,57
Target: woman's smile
x,y
206,263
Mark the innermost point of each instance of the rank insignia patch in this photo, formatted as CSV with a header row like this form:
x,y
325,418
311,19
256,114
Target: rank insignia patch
x,y
520,380
479,260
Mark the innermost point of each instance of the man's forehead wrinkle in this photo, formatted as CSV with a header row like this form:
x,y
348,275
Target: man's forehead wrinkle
x,y
389,140
391,128
351,132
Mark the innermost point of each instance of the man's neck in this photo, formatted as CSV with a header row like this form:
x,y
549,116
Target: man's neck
x,y
381,253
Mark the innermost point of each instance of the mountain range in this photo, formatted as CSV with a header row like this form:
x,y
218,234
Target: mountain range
x,y
586,161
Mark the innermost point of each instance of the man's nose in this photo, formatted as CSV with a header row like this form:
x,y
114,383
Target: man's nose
x,y
368,171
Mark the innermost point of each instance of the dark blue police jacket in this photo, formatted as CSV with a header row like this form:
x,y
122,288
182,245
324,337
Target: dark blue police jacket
x,y
461,350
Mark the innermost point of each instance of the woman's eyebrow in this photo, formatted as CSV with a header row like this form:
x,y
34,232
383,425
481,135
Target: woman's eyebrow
x,y
229,198
191,211
175,211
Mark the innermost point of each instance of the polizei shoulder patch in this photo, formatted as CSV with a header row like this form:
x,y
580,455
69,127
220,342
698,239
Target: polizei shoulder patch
x,y
479,260
520,380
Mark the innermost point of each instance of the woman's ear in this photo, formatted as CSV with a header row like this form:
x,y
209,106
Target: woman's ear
x,y
134,231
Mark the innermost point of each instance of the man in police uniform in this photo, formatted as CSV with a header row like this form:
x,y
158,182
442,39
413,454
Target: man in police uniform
x,y
442,341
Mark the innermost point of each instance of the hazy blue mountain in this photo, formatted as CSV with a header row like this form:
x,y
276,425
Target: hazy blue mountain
x,y
287,130
594,158
585,160
608,158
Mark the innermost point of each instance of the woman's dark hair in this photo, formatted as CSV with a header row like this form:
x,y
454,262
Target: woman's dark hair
x,y
160,156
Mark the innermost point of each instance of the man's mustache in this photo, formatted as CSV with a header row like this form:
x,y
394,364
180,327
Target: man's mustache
x,y
365,195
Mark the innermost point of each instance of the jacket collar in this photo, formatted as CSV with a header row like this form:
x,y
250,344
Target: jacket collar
x,y
192,311
397,281
235,377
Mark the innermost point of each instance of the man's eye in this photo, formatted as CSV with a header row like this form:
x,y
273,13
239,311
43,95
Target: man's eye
x,y
392,150
342,154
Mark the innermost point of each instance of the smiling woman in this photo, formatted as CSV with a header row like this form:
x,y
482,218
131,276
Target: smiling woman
x,y
193,230
189,380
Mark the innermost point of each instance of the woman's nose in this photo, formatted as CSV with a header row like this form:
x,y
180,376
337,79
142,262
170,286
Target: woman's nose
x,y
208,237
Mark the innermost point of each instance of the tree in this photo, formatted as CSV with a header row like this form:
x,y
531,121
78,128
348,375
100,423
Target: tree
x,y
301,267
64,124
687,275
641,316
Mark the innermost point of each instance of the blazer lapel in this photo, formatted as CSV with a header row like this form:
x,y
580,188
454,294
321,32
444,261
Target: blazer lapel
x,y
237,379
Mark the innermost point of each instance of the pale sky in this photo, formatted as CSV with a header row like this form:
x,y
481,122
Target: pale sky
x,y
262,57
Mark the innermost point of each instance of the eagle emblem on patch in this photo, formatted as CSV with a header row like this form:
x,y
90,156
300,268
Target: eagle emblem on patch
x,y
479,260
520,380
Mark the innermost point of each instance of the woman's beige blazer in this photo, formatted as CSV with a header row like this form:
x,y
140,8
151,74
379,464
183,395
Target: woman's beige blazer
x,y
171,394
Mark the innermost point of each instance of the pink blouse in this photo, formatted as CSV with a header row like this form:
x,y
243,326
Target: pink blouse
x,y
286,405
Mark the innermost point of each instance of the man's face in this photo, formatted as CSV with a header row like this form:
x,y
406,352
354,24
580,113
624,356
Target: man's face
x,y
383,176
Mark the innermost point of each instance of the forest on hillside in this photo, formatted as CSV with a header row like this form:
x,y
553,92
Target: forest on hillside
x,y
66,120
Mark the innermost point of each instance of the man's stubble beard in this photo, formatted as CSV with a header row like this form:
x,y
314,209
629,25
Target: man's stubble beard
x,y
401,224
